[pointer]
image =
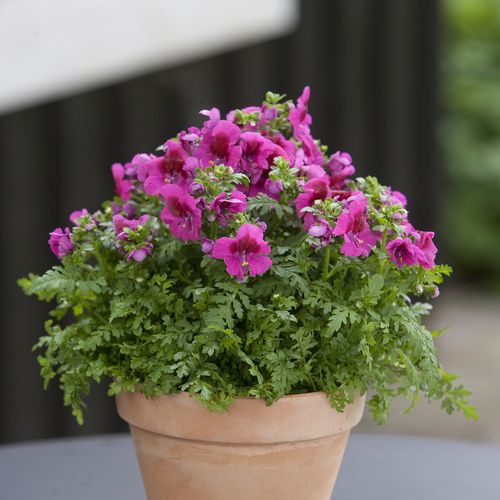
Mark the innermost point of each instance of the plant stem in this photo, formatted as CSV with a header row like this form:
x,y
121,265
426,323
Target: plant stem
x,y
327,263
90,270
98,257
384,240
311,380
89,310
306,276
382,261
275,223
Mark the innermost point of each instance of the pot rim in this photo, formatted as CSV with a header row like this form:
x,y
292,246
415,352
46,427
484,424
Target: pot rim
x,y
294,417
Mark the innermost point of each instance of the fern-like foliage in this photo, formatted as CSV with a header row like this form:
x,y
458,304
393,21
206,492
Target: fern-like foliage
x,y
270,275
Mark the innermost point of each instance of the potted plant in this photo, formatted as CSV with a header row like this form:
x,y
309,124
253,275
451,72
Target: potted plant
x,y
240,271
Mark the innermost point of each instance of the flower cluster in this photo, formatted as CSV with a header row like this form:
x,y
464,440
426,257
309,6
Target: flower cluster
x,y
248,143
242,259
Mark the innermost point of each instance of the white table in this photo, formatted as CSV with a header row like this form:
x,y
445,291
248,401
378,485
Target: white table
x,y
375,467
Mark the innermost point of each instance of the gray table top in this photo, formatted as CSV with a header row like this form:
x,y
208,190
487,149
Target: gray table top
x,y
375,467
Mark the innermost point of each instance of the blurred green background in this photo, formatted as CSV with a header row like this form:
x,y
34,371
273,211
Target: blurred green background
x,y
469,134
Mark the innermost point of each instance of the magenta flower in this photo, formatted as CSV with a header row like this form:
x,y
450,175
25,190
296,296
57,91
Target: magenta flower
x,y
213,119
396,197
140,163
404,253
312,153
315,189
126,239
323,231
352,225
260,183
78,214
299,117
428,248
247,253
181,213
189,139
129,208
312,171
285,148
207,247
167,169
300,120
122,186
120,223
192,164
255,150
340,166
231,116
223,209
273,187
268,113
60,242
262,186
220,146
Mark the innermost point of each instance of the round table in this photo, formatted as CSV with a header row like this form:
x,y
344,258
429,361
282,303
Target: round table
x,y
374,467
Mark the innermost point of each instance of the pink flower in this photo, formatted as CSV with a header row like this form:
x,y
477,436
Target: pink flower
x,y
255,150
316,189
181,213
299,117
192,164
231,116
404,252
274,187
245,253
396,197
312,171
220,146
189,139
323,231
340,166
352,225
167,169
213,119
207,247
428,248
285,148
264,184
140,162
120,223
122,187
223,208
268,113
78,214
415,247
129,208
300,120
60,242
124,229
312,153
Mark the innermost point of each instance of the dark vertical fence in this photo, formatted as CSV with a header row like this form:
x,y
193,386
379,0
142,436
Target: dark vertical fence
x,y
371,65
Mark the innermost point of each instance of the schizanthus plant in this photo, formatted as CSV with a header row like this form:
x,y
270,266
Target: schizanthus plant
x,y
244,260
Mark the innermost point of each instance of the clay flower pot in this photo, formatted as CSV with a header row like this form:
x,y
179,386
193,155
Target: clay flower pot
x,y
291,449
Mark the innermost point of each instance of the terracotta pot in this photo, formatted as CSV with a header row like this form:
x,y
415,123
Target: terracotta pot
x,y
289,450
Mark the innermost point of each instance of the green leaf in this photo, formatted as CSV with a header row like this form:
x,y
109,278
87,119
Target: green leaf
x,y
56,279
